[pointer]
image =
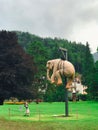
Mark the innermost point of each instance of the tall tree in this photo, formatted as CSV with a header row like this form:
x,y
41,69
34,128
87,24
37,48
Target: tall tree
x,y
39,52
94,88
88,68
16,68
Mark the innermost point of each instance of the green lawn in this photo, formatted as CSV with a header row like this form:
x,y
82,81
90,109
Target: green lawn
x,y
44,116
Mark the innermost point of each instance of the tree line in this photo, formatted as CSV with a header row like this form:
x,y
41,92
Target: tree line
x,y
44,49
23,58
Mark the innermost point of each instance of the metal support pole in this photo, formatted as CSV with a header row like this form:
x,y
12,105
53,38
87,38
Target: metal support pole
x,y
66,103
64,53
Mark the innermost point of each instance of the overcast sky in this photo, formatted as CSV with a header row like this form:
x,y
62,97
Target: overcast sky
x,y
74,20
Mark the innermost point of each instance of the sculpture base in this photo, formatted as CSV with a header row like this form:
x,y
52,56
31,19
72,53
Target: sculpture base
x,y
61,116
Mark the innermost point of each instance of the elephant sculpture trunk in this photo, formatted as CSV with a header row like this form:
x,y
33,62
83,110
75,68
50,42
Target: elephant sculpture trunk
x,y
48,75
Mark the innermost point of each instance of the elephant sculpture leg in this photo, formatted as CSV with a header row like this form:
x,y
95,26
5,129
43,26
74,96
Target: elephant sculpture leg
x,y
53,79
56,78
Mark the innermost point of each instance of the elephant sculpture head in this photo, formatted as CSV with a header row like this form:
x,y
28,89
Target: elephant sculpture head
x,y
49,67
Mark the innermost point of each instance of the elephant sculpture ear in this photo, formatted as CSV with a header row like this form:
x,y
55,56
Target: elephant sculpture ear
x,y
49,64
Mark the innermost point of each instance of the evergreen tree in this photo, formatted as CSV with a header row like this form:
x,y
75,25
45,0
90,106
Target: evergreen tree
x,y
16,68
88,68
94,88
39,52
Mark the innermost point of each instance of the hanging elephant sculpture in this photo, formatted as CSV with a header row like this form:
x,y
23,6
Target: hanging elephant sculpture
x,y
59,68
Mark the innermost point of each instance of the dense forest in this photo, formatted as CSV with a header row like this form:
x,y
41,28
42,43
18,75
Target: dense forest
x,y
44,49
23,59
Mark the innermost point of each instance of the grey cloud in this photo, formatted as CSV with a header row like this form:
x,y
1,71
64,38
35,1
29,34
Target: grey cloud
x,y
56,18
